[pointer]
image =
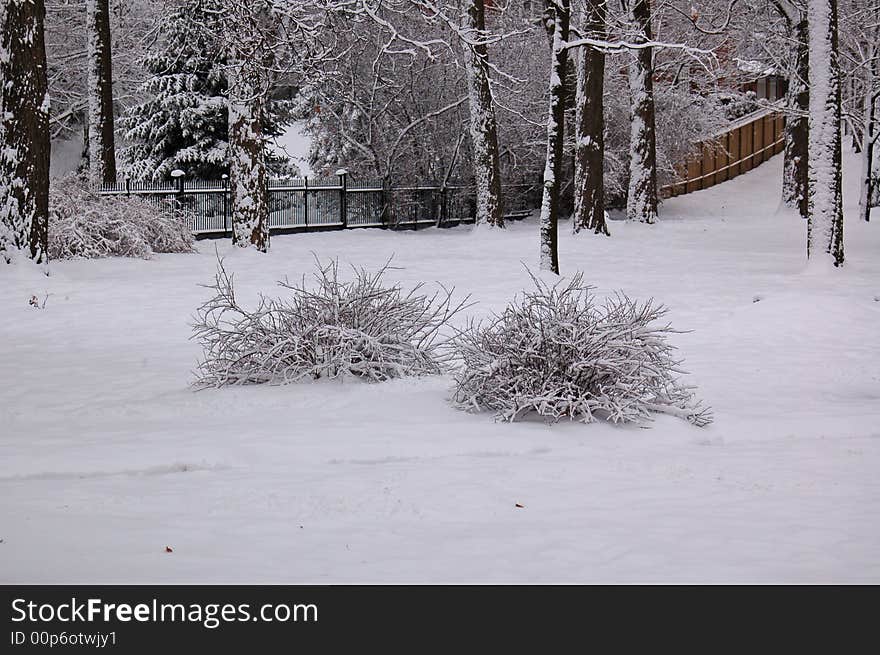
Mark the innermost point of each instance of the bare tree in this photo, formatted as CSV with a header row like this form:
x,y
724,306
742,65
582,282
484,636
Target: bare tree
x,y
825,220
24,131
101,146
589,148
250,38
484,131
641,203
557,23
797,105
860,68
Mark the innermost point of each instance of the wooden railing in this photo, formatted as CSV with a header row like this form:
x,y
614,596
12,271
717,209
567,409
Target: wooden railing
x,y
753,139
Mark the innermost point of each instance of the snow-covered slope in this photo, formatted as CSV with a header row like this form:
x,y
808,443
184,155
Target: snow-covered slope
x,y
107,456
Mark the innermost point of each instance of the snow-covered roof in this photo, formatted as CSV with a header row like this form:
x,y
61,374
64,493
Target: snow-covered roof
x,y
754,66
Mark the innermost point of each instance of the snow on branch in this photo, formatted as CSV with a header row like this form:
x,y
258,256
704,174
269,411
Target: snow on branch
x,y
361,328
554,352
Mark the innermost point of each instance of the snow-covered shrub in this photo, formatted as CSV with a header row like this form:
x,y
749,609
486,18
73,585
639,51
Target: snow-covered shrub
x,y
85,224
556,353
361,328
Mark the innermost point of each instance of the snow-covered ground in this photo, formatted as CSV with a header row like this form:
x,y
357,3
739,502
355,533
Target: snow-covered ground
x,y
107,456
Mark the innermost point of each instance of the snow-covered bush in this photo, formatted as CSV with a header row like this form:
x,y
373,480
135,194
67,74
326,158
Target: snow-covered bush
x,y
556,353
360,328
85,224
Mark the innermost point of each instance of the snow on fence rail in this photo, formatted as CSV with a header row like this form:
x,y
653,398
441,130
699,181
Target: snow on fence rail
x,y
301,204
750,141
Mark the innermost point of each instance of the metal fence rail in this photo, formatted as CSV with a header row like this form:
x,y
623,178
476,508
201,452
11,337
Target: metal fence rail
x,y
303,204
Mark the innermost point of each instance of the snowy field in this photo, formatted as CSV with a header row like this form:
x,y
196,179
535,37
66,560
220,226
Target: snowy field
x,y
107,456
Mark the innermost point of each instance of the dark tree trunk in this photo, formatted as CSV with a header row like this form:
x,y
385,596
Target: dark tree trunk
x,y
24,133
484,130
641,204
867,154
589,162
825,221
557,21
797,127
102,149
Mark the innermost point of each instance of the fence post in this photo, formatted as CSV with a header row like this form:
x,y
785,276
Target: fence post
x,y
444,206
702,179
727,157
127,187
343,204
225,179
386,199
306,200
177,176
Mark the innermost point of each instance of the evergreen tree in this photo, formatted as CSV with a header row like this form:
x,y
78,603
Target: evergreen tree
x,y
183,123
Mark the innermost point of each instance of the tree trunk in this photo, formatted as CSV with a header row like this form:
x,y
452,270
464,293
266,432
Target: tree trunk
x,y
641,202
589,158
24,132
797,131
484,130
825,221
868,139
868,194
102,150
558,16
874,198
249,192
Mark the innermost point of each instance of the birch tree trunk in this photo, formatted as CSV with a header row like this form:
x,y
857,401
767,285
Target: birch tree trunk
x,y
641,201
589,153
825,221
24,132
558,16
249,193
102,149
483,127
797,131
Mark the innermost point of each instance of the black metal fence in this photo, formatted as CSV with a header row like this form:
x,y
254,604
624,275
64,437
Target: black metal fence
x,y
302,204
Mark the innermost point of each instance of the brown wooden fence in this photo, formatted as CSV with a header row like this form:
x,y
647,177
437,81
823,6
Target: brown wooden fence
x,y
750,141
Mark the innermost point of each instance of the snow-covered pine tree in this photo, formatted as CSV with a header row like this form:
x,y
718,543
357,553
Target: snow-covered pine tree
x,y
24,131
641,202
825,220
102,149
182,123
557,21
484,133
589,148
